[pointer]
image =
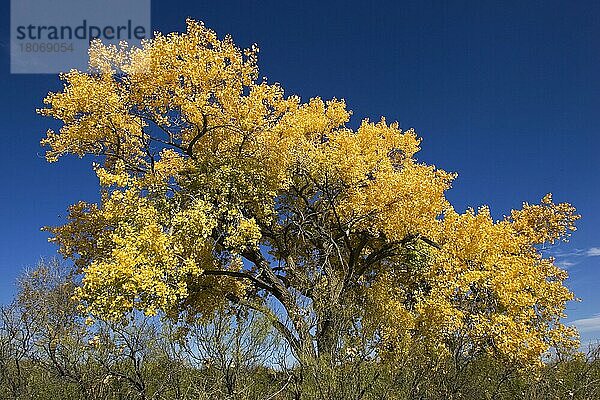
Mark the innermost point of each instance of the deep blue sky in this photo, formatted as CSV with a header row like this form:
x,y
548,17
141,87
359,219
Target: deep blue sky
x,y
505,94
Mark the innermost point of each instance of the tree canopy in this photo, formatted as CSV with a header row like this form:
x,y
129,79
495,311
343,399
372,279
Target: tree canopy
x,y
219,190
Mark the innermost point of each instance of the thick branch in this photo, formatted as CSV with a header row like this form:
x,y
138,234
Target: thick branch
x,y
199,134
244,275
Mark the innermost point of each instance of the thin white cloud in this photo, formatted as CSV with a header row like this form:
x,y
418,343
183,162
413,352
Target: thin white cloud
x,y
586,325
564,264
593,252
573,257
556,253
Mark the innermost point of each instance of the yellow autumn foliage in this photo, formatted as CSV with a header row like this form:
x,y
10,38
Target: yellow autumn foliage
x,y
217,188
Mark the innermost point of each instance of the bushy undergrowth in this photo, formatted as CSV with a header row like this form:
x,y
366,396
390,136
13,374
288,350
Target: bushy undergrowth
x,y
47,351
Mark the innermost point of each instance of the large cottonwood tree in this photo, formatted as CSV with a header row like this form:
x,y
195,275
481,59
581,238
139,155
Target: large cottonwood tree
x,y
220,190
